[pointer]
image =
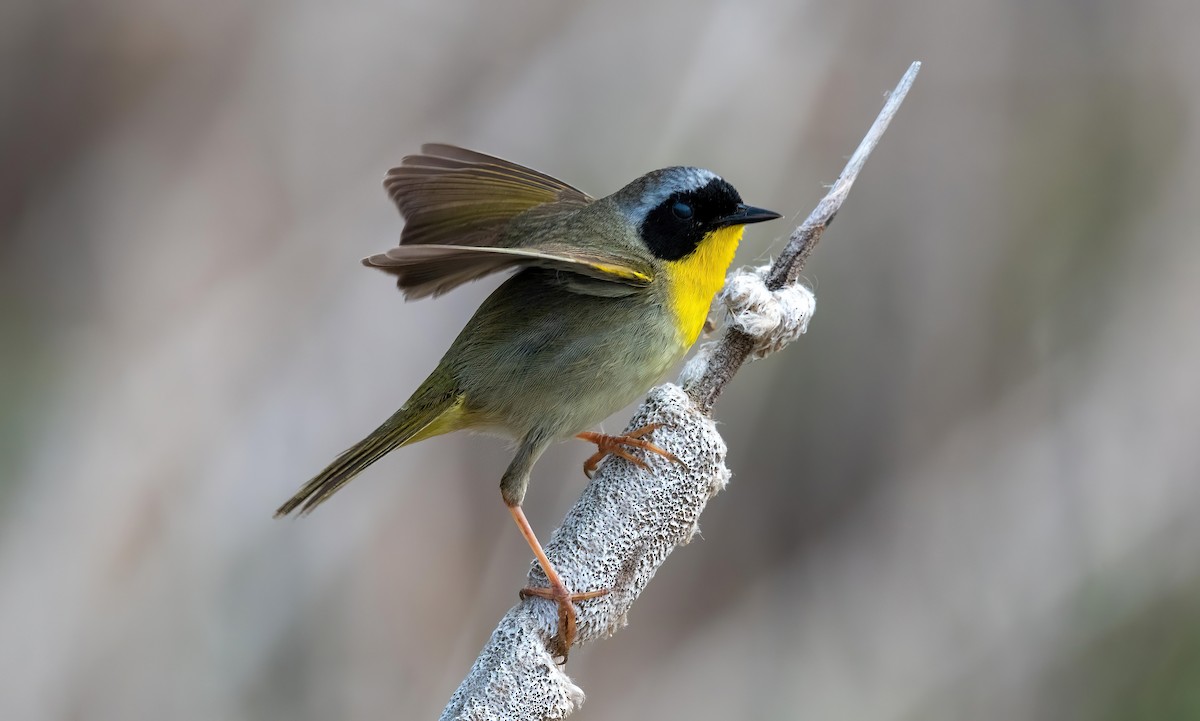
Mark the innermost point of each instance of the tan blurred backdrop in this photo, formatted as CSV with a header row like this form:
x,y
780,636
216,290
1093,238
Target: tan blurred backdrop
x,y
970,492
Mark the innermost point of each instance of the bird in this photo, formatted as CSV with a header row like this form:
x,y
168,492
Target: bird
x,y
606,295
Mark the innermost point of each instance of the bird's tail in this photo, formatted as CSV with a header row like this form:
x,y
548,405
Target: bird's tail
x,y
428,413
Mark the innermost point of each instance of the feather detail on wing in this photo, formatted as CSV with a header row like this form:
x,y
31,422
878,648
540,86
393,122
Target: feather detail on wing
x,y
454,196
457,205
423,270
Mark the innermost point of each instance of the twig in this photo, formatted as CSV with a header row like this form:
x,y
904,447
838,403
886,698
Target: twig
x,y
629,520
735,346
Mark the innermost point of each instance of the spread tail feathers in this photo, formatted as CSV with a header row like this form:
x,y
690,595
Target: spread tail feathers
x,y
424,416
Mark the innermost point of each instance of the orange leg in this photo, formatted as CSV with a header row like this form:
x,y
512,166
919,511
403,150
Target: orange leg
x,y
615,445
557,592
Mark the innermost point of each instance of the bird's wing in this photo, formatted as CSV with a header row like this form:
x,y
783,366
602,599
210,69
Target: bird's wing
x,y
454,196
457,204
430,269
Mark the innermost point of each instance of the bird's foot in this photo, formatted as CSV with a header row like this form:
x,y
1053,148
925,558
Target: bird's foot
x,y
561,644
617,445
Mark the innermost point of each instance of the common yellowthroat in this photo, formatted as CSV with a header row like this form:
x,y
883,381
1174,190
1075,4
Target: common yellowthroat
x,y
608,294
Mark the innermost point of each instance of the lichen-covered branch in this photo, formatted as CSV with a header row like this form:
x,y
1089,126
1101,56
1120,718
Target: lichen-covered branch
x,y
615,536
629,520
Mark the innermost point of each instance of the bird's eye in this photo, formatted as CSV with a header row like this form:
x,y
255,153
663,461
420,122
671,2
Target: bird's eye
x,y
682,210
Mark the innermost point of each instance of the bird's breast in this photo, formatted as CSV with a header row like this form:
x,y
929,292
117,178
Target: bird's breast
x,y
693,280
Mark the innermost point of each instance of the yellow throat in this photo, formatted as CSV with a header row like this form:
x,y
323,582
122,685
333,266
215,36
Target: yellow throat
x,y
693,280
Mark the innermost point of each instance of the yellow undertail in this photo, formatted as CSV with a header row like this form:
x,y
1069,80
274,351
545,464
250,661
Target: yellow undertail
x,y
424,416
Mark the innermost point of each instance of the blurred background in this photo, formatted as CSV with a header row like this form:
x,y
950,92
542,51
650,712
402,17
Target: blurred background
x,y
970,492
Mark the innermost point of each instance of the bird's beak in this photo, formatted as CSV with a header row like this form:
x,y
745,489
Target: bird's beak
x,y
747,214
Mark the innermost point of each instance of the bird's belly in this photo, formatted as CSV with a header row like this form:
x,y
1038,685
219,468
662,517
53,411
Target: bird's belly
x,y
574,395
590,398
564,371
